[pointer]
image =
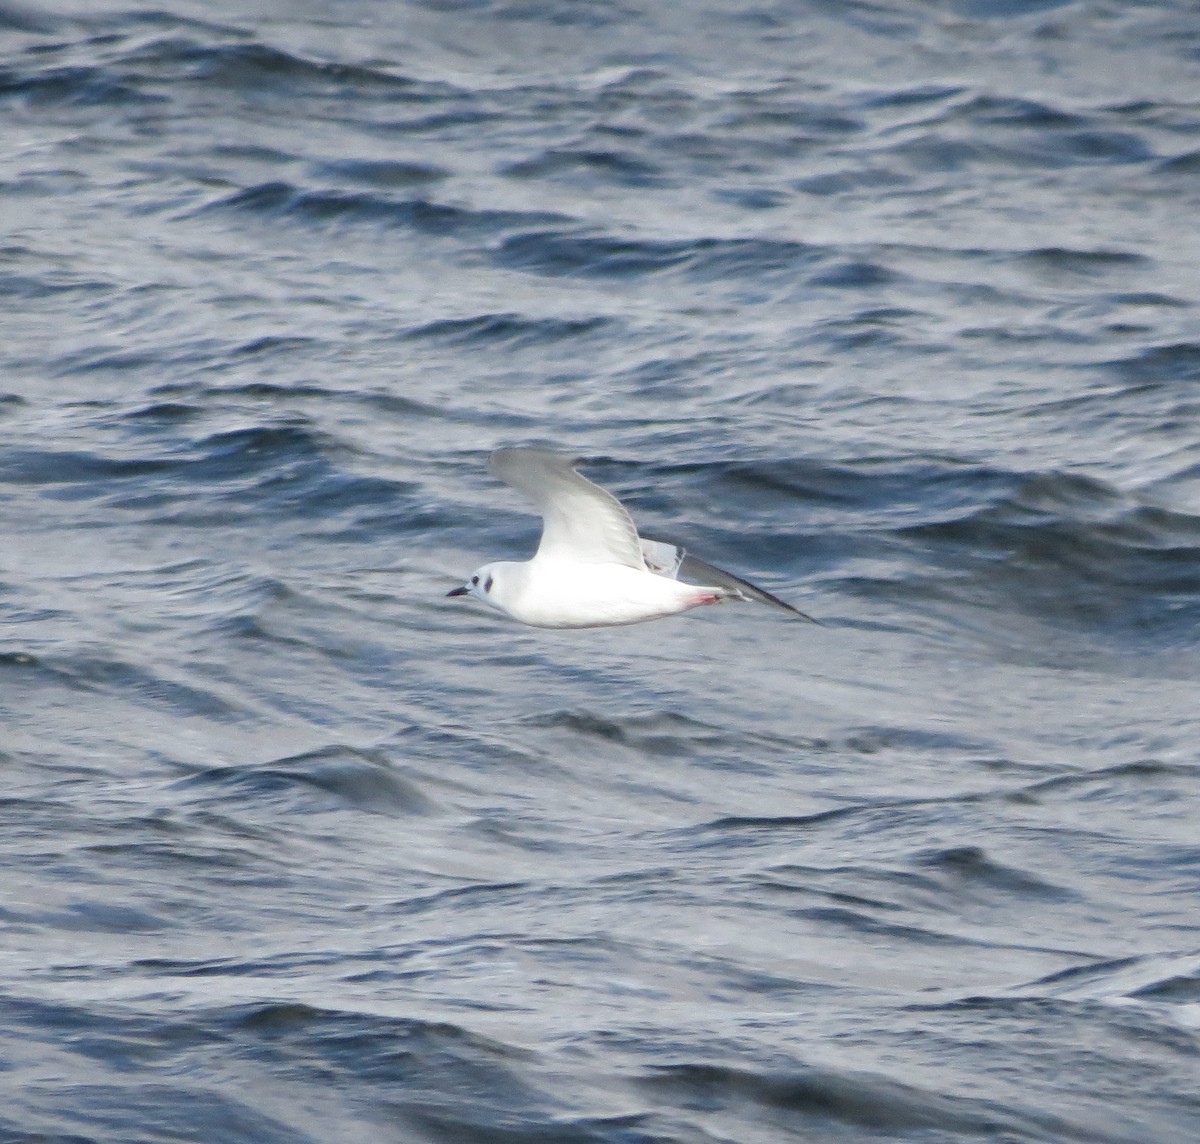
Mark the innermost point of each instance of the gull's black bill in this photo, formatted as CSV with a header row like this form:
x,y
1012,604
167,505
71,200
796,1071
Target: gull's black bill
x,y
462,591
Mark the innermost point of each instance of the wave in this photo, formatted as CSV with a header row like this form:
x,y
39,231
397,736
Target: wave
x,y
853,1100
558,252
286,201
1072,549
349,776
506,329
227,56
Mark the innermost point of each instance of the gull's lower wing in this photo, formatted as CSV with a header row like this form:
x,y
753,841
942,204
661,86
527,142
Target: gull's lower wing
x,y
662,557
671,560
693,567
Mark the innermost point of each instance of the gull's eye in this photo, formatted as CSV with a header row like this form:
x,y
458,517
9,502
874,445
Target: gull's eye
x,y
475,580
487,587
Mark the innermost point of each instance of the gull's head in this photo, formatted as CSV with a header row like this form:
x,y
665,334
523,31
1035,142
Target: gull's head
x,y
480,586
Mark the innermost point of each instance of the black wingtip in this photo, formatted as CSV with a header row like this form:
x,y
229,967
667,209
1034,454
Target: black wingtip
x,y
762,596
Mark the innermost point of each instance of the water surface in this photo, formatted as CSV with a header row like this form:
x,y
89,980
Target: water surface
x,y
890,307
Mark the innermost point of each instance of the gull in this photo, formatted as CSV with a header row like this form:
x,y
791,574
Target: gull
x,y
591,568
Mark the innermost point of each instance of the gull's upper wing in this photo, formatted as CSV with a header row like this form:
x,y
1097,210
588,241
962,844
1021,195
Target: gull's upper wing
x,y
580,521
674,562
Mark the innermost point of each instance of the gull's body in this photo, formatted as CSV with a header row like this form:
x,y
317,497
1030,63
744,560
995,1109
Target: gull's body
x,y
565,594
591,568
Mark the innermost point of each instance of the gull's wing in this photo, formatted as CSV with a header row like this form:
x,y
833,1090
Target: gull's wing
x,y
672,561
662,557
580,521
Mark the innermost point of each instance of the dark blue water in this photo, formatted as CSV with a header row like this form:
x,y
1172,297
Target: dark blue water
x,y
892,307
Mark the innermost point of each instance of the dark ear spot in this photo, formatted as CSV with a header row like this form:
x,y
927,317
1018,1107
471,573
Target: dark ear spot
x,y
488,586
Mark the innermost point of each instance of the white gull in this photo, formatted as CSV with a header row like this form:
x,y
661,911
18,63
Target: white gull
x,y
591,568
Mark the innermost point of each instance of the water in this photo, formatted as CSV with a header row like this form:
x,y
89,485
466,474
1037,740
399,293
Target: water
x,y
891,307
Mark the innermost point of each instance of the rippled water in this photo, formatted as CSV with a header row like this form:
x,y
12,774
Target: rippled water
x,y
892,307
